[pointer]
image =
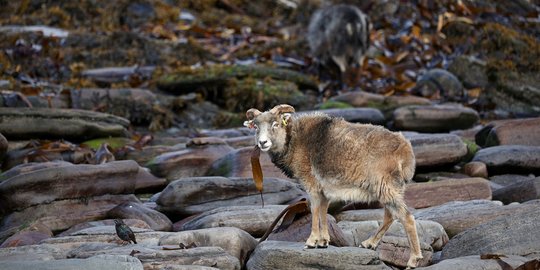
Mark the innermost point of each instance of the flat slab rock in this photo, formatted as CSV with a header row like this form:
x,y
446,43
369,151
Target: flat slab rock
x,y
71,124
67,181
355,115
422,195
434,118
237,163
188,196
395,251
510,132
193,161
61,215
160,257
234,241
429,232
510,159
455,217
521,191
156,220
286,255
513,234
109,262
474,262
432,150
252,219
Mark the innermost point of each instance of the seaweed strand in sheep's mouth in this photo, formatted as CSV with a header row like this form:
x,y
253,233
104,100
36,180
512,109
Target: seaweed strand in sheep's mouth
x,y
257,171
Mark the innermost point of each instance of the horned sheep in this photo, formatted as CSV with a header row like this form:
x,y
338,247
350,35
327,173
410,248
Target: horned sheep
x,y
338,160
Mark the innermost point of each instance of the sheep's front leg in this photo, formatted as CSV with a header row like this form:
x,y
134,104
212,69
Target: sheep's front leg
x,y
317,206
323,212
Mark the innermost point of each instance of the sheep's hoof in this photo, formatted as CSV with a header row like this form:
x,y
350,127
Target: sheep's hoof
x,y
309,247
413,261
322,244
368,244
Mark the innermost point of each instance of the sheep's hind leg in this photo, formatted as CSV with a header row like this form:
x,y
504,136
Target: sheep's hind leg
x,y
408,222
374,240
324,239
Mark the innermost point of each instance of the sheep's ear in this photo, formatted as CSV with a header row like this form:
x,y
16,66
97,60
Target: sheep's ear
x,y
248,124
285,119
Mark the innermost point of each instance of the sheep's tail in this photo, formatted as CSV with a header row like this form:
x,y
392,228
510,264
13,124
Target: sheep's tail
x,y
408,163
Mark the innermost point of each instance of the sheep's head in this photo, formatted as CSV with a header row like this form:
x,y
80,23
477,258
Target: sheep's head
x,y
270,125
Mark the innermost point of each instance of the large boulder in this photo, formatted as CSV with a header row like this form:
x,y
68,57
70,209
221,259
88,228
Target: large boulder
x,y
422,195
475,262
62,214
522,131
513,234
67,182
109,262
189,196
458,216
434,118
510,159
193,161
282,255
156,220
234,241
433,150
31,123
252,219
429,232
237,163
521,191
355,115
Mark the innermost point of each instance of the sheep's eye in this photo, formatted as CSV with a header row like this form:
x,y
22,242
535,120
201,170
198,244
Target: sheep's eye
x,y
274,125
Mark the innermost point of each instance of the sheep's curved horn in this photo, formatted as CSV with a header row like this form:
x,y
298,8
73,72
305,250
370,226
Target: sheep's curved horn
x,y
282,108
252,113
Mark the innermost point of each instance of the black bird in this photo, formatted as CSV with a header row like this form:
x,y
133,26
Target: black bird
x,y
339,34
123,231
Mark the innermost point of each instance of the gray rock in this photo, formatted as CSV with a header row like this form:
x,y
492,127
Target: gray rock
x,y
510,159
507,132
3,147
156,220
134,104
237,163
189,196
361,215
514,234
42,252
429,232
284,255
509,179
422,195
470,70
395,251
107,222
109,262
383,103
474,262
71,124
61,215
519,192
234,241
252,219
458,216
24,238
439,84
117,74
300,229
159,257
355,115
475,169
432,150
435,118
67,182
193,161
